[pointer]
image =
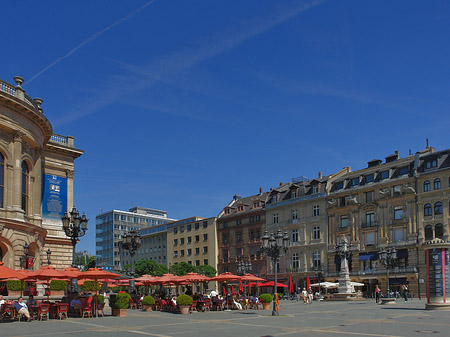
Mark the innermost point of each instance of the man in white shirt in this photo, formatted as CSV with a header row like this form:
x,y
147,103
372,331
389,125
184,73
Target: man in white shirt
x,y
2,301
22,308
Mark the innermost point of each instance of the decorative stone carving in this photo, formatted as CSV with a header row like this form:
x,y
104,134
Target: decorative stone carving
x,y
408,189
5,137
351,200
70,173
26,148
332,203
385,193
18,136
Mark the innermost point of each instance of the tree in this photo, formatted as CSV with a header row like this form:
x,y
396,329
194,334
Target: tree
x,y
206,270
149,267
181,269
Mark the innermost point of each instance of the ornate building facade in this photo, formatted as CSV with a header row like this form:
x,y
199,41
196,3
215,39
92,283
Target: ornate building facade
x,y
36,182
240,227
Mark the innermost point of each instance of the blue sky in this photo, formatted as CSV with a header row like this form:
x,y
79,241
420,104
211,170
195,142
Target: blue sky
x,y
179,105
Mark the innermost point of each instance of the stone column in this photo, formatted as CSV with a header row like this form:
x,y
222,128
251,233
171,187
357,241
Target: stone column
x,y
17,172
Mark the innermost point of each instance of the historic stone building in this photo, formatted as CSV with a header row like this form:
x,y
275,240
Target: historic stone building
x,y
433,215
375,208
299,208
36,182
241,226
192,240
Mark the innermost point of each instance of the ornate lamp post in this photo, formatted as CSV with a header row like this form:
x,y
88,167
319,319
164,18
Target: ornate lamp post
x,y
48,252
131,241
242,269
388,257
24,258
319,272
274,246
75,227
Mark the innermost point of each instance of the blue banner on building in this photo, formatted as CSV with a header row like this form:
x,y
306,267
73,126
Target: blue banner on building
x,y
54,200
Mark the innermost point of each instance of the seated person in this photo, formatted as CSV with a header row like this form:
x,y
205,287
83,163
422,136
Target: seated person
x,y
2,301
22,308
76,304
31,300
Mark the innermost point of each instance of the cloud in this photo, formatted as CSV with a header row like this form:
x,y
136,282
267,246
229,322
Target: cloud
x,y
90,39
174,63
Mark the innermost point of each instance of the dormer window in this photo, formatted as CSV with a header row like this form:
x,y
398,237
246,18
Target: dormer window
x,y
227,211
294,194
384,175
256,204
403,170
431,163
369,178
338,186
315,189
274,198
355,181
240,208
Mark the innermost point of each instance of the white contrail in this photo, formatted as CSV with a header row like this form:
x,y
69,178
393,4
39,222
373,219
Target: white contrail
x,y
91,38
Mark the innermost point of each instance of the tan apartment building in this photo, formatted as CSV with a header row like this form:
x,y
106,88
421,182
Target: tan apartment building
x,y
299,208
192,240
433,190
374,208
36,182
240,229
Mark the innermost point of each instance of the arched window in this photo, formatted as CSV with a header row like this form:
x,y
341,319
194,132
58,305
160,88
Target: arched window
x,y
427,210
2,178
439,231
437,184
438,208
426,186
25,174
428,232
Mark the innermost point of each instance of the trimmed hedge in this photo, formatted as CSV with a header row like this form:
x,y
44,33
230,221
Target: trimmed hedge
x,y
90,286
119,301
14,285
58,285
266,298
184,300
148,300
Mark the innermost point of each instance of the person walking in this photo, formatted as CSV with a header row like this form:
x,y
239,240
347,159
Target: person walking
x,y
377,294
304,295
405,292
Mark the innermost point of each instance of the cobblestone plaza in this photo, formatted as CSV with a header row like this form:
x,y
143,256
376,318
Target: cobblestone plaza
x,y
363,318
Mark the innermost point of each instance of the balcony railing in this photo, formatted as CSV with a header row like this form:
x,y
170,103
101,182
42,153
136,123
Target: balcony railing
x,y
369,224
67,141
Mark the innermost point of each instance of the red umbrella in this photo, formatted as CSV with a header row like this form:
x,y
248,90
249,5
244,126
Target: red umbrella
x,y
167,278
224,291
8,273
72,272
194,277
232,291
308,282
47,273
272,284
250,277
224,277
241,287
291,285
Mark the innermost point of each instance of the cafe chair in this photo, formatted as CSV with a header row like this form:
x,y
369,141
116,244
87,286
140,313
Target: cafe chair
x,y
43,311
62,310
86,309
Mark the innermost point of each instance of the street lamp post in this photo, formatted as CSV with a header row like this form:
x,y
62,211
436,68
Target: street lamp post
x,y
319,271
274,246
131,241
388,257
75,227
24,259
48,252
242,269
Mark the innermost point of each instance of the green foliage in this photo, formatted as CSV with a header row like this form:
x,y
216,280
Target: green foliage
x,y
58,285
100,299
266,298
116,289
181,269
119,301
85,263
14,285
206,270
90,286
150,267
148,300
184,300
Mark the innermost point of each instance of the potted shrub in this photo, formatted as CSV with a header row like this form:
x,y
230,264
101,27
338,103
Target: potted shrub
x,y
184,301
147,303
57,287
90,286
119,304
14,287
266,299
